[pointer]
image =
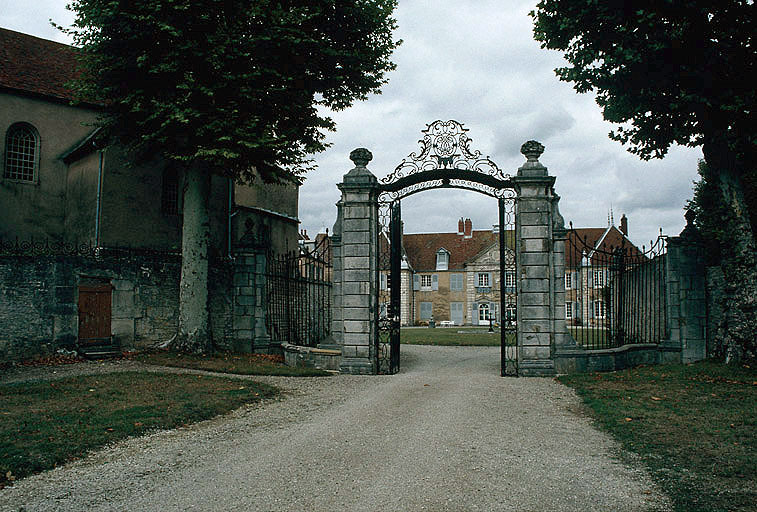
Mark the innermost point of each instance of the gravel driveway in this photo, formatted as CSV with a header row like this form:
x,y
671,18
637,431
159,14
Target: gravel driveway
x,y
446,434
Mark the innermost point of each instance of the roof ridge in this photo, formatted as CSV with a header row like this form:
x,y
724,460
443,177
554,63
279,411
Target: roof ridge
x,y
24,34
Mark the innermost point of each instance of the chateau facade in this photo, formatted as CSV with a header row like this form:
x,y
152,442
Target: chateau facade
x,y
455,277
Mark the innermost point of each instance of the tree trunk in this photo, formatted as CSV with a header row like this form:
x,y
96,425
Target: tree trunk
x,y
194,333
738,255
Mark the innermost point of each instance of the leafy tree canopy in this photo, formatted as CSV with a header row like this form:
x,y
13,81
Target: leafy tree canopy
x,y
231,83
667,71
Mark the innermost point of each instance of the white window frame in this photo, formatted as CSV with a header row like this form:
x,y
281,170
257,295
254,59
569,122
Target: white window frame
x,y
483,280
484,312
510,279
426,282
442,260
600,309
511,312
20,155
568,280
568,310
598,275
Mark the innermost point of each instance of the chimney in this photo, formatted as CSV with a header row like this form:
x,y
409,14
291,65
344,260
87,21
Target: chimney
x,y
460,226
468,228
624,224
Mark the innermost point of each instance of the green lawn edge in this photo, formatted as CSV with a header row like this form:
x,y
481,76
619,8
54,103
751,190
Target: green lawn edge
x,y
692,425
224,362
46,423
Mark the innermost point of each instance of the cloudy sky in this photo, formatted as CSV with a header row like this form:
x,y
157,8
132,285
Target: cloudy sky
x,y
475,62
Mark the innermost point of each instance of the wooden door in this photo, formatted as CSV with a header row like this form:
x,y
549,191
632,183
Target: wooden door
x,y
94,312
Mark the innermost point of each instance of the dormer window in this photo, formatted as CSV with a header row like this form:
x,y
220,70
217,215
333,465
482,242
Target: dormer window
x,y
442,260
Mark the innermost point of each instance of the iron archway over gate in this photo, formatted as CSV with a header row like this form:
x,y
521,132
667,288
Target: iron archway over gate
x,y
445,160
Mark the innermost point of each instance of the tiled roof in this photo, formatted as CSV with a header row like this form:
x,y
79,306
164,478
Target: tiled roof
x,y
603,240
37,66
421,248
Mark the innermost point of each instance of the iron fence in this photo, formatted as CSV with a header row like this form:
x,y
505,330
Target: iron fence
x,y
39,248
615,295
298,290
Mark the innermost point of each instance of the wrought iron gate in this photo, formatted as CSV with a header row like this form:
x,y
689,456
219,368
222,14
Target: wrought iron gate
x,y
387,347
298,295
508,284
444,161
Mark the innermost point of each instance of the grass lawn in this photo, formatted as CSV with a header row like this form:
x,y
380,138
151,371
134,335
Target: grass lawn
x,y
224,362
589,337
695,427
457,336
47,423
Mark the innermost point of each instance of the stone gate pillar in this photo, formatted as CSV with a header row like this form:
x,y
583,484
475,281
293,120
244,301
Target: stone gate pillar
x,y
685,298
355,249
540,248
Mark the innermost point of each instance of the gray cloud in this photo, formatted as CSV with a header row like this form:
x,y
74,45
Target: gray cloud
x,y
477,63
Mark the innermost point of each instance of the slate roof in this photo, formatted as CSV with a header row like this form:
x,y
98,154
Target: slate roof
x,y
36,66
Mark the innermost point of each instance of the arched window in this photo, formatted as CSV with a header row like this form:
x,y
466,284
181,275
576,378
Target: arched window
x,y
483,313
21,152
510,312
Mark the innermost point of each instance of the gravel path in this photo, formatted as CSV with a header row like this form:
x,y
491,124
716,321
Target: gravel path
x,y
446,434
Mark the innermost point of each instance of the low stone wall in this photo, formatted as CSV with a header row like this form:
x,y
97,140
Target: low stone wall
x,y
580,361
39,301
310,357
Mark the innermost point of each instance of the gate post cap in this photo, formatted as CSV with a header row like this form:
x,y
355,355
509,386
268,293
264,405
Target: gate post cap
x,y
360,157
532,150
532,168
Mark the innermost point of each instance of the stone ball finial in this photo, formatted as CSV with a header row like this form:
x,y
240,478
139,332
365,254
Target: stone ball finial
x,y
360,157
532,150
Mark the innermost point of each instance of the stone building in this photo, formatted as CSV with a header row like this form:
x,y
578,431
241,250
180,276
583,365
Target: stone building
x,y
60,187
587,271
58,183
456,276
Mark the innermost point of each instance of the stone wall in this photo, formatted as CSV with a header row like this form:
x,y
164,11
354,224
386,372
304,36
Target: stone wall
x,y
39,301
715,309
686,305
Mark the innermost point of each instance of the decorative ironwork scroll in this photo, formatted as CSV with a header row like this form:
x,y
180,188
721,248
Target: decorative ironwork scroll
x,y
445,160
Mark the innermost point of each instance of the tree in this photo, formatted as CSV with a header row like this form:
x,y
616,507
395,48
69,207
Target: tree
x,y
228,87
738,321
672,71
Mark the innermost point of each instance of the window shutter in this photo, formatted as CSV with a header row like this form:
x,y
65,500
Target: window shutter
x,y
591,309
434,281
590,277
491,280
416,282
474,315
383,281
